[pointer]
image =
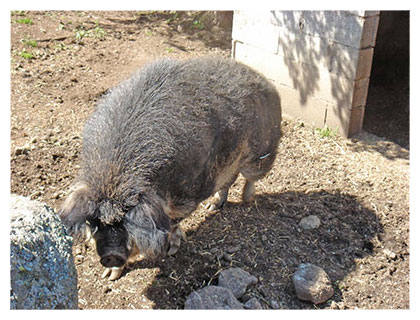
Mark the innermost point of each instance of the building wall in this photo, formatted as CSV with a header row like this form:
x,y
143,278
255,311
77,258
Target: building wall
x,y
320,61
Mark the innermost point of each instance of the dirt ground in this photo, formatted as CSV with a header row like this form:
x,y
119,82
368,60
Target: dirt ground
x,y
62,62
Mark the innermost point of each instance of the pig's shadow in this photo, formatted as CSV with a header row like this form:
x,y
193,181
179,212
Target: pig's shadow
x,y
265,239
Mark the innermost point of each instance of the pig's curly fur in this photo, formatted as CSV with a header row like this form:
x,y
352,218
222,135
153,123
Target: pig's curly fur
x,y
167,132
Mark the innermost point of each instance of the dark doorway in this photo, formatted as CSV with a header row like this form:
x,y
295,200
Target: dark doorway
x,y
388,103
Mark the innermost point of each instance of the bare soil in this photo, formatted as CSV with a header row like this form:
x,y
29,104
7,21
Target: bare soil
x,y
358,188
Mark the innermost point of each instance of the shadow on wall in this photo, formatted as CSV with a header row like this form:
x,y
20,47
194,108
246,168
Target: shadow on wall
x,y
319,51
265,239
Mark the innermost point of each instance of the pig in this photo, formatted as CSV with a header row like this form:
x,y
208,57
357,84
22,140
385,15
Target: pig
x,y
161,142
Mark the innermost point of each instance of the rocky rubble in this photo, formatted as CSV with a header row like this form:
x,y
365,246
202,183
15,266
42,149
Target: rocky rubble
x,y
232,286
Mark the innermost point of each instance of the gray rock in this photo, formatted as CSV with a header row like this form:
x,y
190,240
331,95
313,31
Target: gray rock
x,y
274,304
42,271
212,297
253,304
312,283
310,222
236,280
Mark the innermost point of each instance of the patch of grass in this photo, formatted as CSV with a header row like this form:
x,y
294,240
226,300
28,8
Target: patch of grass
x,y
173,17
198,24
26,55
326,132
169,50
25,21
96,32
80,34
30,43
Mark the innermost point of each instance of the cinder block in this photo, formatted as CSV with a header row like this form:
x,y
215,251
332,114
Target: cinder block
x,y
316,112
255,30
311,81
319,60
312,112
338,26
334,57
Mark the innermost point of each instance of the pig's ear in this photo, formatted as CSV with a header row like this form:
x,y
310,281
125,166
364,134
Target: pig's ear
x,y
149,226
77,209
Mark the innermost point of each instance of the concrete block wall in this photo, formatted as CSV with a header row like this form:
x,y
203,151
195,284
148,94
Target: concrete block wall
x,y
320,61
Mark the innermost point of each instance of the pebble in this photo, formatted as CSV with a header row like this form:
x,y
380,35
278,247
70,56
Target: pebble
x,y
274,304
310,222
390,254
312,283
22,150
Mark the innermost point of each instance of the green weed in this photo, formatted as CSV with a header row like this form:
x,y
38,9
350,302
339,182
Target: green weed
x,y
198,24
26,55
326,132
25,21
30,43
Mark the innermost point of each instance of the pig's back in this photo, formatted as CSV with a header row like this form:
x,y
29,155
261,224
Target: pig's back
x,y
174,123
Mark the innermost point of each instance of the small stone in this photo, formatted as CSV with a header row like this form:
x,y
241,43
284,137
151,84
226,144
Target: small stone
x,y
274,304
180,28
312,283
212,297
236,280
390,254
232,250
22,150
264,238
310,222
253,304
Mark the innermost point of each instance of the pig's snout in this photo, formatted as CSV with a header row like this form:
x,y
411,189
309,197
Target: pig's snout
x,y
113,260
112,245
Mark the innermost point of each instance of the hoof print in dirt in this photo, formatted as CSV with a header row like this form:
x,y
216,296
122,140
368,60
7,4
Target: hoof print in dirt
x,y
212,297
312,283
236,280
232,285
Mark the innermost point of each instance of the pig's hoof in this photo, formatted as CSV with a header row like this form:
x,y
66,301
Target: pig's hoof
x,y
218,200
113,273
175,240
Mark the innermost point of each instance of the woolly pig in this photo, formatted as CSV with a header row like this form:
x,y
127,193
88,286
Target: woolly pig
x,y
161,142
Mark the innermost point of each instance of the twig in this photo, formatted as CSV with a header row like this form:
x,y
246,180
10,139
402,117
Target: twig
x,y
51,39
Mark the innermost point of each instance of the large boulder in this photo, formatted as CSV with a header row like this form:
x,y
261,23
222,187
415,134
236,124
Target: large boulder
x,y
42,270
